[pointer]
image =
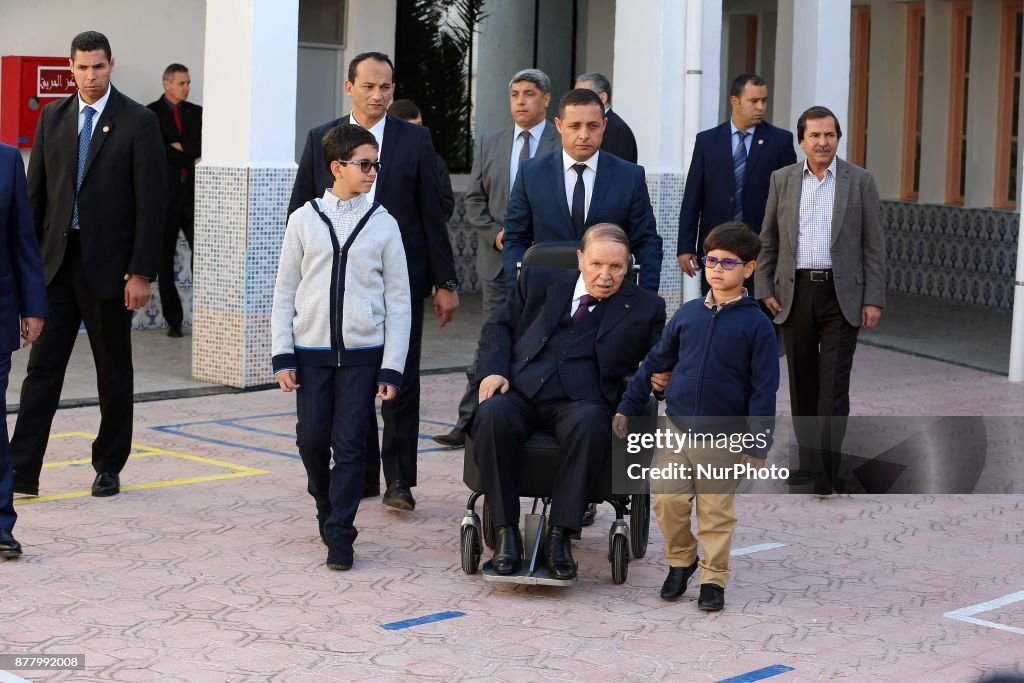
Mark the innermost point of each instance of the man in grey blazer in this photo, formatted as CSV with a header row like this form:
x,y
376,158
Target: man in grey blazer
x,y
822,274
495,166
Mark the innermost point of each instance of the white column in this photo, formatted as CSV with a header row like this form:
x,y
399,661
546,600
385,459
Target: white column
x,y
1017,330
666,76
937,88
242,185
812,58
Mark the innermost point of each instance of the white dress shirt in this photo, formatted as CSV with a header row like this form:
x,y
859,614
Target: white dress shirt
x,y
589,175
581,289
814,239
517,146
98,106
378,133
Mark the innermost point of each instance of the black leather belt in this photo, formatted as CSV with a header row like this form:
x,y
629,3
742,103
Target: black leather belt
x,y
814,275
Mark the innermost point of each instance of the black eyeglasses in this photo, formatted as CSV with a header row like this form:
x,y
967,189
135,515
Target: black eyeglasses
x,y
727,263
364,165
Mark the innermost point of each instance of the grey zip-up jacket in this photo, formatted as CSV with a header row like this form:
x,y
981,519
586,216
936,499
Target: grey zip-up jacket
x,y
342,294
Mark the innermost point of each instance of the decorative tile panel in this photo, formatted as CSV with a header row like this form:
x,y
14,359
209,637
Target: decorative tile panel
x,y
951,253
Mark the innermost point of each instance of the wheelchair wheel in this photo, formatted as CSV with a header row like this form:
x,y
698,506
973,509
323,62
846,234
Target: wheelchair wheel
x,y
619,559
639,523
488,525
469,545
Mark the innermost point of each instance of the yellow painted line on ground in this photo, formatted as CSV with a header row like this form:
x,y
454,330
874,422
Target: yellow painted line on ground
x,y
146,451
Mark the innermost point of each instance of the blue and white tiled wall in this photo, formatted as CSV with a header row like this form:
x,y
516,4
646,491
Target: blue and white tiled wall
x,y
240,222
152,316
951,253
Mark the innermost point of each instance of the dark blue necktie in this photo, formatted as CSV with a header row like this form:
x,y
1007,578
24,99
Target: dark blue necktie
x,y
83,153
739,165
578,200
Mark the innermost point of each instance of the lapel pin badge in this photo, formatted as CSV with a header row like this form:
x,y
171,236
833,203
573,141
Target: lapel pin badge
x,y
761,141
627,307
106,129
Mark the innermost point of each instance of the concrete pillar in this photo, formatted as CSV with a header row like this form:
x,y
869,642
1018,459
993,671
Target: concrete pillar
x,y
886,95
812,56
652,67
938,23
242,185
984,97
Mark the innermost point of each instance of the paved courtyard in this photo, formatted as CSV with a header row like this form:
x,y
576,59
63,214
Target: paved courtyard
x,y
208,567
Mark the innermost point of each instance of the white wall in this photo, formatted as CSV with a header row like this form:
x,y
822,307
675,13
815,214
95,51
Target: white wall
x,y
369,27
144,37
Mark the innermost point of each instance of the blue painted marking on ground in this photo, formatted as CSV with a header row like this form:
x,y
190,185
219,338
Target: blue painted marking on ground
x,y
270,432
222,442
428,619
449,425
757,675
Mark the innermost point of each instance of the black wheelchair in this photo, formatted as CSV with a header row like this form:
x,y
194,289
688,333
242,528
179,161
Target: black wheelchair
x,y
541,459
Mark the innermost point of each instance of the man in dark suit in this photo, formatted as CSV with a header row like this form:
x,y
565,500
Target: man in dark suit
x,y
557,195
554,356
408,111
822,275
618,136
96,183
729,173
181,126
22,309
495,166
408,187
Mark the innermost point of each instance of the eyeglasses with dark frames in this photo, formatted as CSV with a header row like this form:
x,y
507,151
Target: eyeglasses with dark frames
x,y
363,164
727,263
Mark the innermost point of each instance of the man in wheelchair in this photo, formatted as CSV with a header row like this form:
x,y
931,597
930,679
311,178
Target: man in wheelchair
x,y
553,357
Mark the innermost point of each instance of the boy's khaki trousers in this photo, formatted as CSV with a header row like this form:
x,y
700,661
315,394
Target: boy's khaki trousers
x,y
716,516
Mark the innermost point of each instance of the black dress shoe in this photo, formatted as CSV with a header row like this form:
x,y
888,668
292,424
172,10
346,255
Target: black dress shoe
x,y
340,556
590,514
799,477
29,488
677,580
712,597
8,546
175,332
453,439
558,554
399,496
371,490
508,550
106,484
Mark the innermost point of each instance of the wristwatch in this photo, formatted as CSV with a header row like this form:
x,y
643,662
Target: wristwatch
x,y
450,285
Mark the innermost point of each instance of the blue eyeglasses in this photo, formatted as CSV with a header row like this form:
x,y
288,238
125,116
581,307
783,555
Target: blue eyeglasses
x,y
727,263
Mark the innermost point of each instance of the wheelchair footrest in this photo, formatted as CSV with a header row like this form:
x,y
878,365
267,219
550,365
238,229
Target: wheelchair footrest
x,y
540,576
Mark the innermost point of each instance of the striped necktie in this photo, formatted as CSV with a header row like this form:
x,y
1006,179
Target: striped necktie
x,y
739,165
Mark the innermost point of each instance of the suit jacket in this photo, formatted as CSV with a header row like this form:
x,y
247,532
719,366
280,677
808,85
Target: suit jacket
x,y
539,212
618,138
22,287
408,186
857,247
121,201
487,197
709,194
190,138
447,193
517,332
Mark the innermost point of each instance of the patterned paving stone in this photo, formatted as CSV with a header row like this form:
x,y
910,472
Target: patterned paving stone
x,y
223,579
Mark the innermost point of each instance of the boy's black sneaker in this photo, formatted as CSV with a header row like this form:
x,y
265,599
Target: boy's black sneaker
x,y
712,597
339,556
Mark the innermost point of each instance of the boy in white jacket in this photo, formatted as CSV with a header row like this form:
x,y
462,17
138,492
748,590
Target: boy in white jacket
x,y
340,325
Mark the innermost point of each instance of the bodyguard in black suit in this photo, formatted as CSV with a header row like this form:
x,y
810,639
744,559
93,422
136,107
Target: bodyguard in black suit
x,y
711,195
22,308
618,136
95,181
554,356
181,127
557,195
408,187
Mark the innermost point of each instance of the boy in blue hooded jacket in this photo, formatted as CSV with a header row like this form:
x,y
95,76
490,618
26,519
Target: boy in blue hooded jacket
x,y
723,363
